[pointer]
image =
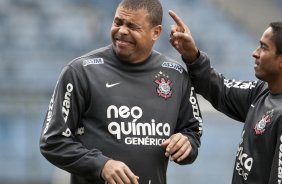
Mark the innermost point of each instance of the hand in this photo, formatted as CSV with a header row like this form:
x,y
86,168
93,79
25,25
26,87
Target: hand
x,y
182,40
178,147
116,172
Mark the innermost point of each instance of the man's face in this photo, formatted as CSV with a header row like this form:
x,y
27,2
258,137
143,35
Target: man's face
x,y
132,34
267,64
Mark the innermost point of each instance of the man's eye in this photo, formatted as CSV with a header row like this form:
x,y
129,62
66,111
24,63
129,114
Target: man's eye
x,y
263,47
118,22
133,27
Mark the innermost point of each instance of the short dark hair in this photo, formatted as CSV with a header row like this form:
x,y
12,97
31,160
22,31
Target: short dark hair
x,y
277,35
153,7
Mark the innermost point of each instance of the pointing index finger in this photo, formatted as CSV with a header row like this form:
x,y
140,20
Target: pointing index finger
x,y
176,19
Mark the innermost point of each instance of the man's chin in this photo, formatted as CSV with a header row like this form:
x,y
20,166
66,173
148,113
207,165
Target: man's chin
x,y
122,55
259,77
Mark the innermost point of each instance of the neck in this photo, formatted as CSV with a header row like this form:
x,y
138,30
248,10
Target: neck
x,y
275,88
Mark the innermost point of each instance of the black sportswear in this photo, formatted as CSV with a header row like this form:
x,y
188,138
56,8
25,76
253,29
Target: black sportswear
x,y
259,155
103,108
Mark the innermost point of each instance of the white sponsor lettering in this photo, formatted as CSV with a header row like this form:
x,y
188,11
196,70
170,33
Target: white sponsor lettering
x,y
66,102
49,113
134,127
280,162
94,61
124,112
143,141
196,110
67,133
66,108
240,84
175,66
244,161
241,171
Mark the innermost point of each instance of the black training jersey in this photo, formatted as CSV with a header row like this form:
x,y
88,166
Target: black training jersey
x,y
103,108
259,155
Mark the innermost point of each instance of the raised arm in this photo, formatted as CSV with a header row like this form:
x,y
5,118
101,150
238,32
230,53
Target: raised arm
x,y
181,39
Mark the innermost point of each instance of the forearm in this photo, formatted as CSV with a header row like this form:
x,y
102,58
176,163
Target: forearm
x,y
73,157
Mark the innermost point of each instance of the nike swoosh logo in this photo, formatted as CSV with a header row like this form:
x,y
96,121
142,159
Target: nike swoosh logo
x,y
111,85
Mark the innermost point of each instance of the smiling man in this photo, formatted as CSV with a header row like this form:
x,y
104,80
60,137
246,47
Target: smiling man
x,y
119,113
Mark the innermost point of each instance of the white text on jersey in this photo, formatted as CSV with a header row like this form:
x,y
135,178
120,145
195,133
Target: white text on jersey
x,y
132,127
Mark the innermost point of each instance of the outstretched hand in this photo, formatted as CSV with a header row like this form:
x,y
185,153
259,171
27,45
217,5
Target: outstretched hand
x,y
182,40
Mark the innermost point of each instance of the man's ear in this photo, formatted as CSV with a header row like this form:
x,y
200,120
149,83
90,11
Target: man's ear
x,y
156,32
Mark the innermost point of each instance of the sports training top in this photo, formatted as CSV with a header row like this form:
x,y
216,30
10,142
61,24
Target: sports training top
x,y
259,155
105,108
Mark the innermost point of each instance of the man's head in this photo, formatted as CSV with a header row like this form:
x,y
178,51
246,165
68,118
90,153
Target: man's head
x,y
153,7
268,64
277,36
136,27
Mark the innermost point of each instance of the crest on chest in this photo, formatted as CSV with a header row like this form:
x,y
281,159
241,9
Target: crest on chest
x,y
164,85
261,126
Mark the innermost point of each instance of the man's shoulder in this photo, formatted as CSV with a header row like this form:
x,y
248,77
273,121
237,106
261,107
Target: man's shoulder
x,y
99,51
170,63
94,57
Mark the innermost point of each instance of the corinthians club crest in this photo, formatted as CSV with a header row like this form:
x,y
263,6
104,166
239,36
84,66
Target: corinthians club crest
x,y
163,88
265,120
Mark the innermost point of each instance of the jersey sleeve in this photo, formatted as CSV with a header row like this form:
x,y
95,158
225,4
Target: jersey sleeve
x,y
230,97
190,120
58,142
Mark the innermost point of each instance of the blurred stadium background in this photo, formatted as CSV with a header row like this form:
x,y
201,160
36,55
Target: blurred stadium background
x,y
38,38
